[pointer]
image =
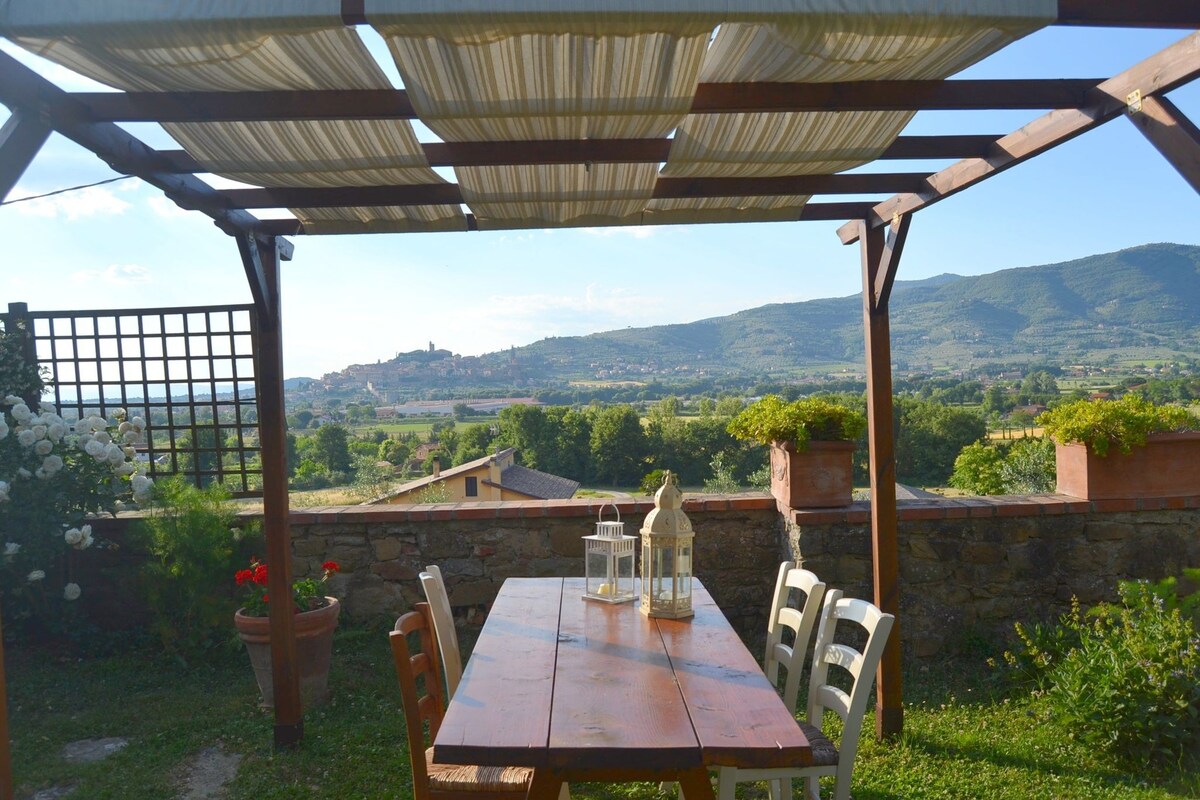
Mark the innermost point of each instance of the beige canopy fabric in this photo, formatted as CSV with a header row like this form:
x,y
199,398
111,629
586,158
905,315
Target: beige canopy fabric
x,y
528,70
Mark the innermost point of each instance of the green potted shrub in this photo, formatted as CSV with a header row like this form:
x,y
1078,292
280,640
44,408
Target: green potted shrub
x,y
1127,448
812,448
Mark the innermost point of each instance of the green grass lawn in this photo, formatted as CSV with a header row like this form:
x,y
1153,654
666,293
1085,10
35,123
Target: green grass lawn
x,y
961,740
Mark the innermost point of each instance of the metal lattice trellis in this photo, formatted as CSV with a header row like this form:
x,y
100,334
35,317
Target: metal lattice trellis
x,y
188,371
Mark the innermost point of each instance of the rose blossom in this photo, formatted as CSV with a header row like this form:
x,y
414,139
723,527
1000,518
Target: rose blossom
x,y
36,575
72,591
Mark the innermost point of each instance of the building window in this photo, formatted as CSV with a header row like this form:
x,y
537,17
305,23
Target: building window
x,y
472,487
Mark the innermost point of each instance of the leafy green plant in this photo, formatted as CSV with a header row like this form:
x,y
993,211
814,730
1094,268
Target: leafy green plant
x,y
193,544
1104,424
772,420
1124,677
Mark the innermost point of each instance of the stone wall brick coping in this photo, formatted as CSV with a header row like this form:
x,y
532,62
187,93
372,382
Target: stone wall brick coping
x,y
994,506
629,507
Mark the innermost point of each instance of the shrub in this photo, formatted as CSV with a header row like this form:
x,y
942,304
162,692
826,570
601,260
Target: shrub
x,y
772,420
1125,677
1029,467
652,482
1103,424
193,547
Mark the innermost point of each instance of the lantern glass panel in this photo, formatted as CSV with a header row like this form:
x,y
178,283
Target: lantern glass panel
x,y
608,567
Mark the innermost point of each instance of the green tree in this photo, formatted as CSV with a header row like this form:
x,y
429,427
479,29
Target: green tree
x,y
997,399
930,439
977,470
618,446
331,448
474,441
1029,467
394,451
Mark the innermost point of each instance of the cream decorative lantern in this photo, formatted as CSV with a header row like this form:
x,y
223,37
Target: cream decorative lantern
x,y
608,561
667,556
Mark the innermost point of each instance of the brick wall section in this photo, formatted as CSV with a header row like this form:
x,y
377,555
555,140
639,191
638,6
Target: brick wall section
x,y
969,567
477,545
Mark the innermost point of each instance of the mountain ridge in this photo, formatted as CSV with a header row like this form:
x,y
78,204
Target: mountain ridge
x,y
1143,299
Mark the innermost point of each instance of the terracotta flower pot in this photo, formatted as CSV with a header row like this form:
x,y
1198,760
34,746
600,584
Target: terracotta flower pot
x,y
820,477
314,651
1168,466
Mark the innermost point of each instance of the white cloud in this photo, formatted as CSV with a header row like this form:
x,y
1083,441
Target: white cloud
x,y
634,231
167,209
115,275
91,202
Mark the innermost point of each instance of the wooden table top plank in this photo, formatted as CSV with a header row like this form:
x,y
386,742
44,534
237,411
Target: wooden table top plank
x,y
737,715
500,713
616,702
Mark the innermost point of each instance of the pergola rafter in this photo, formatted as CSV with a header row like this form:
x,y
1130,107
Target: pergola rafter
x,y
1077,105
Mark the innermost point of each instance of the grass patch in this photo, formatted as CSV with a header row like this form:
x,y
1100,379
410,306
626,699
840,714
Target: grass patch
x,y
963,738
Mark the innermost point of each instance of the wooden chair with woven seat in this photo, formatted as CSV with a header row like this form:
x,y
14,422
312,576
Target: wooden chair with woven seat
x,y
824,695
419,673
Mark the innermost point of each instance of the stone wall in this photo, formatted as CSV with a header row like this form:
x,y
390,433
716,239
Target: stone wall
x,y
477,545
971,567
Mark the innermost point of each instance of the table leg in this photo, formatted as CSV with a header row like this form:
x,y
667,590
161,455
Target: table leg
x,y
695,784
545,785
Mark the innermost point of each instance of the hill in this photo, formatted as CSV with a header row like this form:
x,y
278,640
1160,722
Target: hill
x,y
1143,301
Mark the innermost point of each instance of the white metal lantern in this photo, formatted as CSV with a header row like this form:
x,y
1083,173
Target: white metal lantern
x,y
608,561
667,556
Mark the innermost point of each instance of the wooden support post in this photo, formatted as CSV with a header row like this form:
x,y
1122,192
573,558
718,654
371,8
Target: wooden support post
x,y
1175,136
6,775
20,140
268,376
879,261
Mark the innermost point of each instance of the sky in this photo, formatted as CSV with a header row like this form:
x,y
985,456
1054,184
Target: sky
x,y
362,299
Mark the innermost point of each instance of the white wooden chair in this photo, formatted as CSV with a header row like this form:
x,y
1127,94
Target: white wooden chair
x,y
823,696
443,626
799,620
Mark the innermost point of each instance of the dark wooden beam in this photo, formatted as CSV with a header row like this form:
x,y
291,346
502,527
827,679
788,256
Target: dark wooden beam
x,y
20,140
23,89
441,194
889,261
616,151
889,712
1183,14
855,183
1162,72
812,212
260,289
1175,136
953,95
268,382
711,98
247,106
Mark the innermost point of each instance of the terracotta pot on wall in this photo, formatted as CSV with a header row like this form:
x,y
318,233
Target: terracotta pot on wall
x,y
1168,466
820,477
314,651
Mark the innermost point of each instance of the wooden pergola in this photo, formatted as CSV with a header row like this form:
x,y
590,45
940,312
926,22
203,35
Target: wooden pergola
x,y
686,194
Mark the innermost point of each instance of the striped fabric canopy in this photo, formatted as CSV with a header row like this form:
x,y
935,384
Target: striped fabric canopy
x,y
527,70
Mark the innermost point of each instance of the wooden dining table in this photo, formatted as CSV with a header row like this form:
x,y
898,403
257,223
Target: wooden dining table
x,y
581,690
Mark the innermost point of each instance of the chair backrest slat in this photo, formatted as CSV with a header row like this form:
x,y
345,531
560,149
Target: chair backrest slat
x,y
443,625
782,617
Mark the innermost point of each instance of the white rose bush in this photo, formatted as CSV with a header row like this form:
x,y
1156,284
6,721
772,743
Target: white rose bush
x,y
53,475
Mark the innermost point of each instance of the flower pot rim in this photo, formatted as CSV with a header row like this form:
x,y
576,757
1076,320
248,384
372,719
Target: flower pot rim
x,y
1151,438
815,444
329,602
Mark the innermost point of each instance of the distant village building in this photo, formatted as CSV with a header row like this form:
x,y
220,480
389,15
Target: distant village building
x,y
494,477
